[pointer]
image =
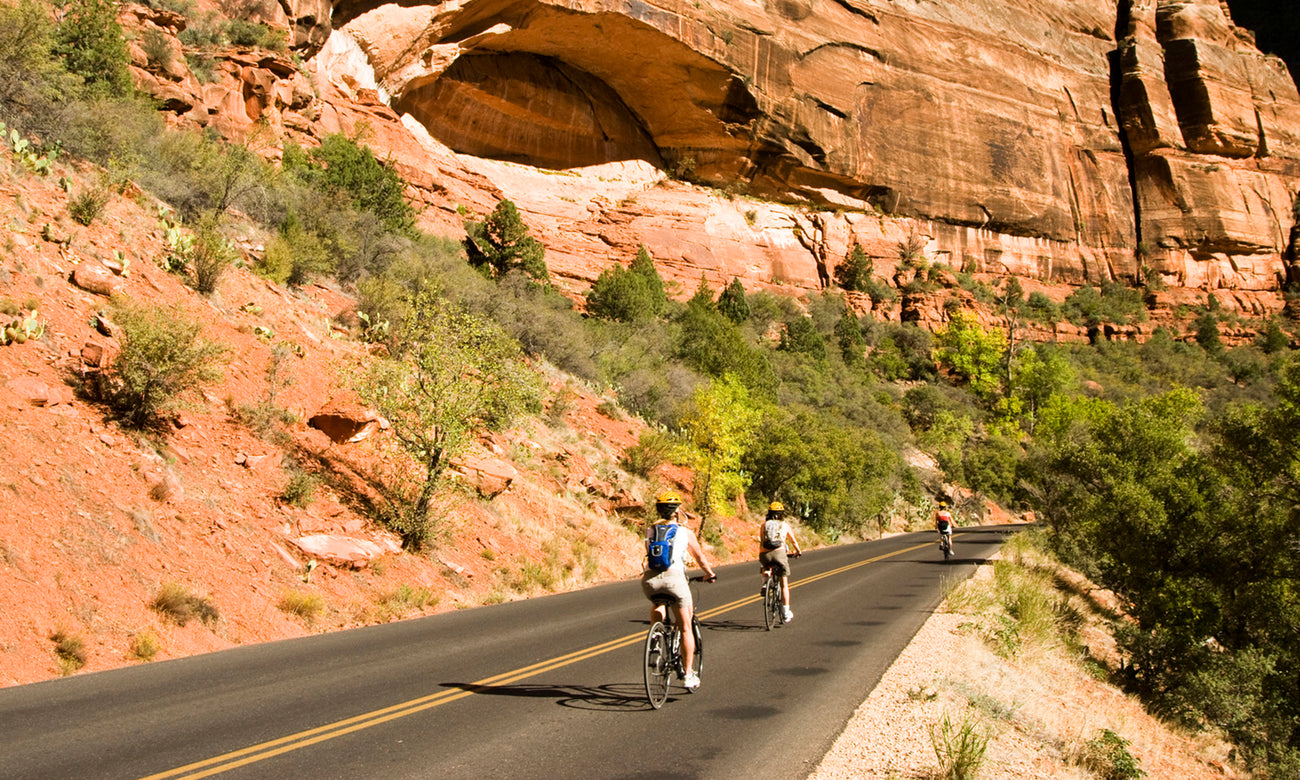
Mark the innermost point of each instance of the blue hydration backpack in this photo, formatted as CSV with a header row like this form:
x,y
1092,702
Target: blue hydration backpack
x,y
659,547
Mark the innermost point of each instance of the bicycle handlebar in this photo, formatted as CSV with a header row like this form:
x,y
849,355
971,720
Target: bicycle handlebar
x,y
702,578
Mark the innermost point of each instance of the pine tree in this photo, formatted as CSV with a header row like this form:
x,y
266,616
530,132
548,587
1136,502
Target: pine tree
x,y
732,302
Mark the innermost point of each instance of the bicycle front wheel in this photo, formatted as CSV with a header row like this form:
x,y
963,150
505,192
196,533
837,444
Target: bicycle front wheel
x,y
771,599
697,661
658,664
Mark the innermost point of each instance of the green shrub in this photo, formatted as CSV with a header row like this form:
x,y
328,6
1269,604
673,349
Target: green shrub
x,y
202,66
204,31
162,362
532,576
201,176
651,451
33,78
254,34
500,243
1113,303
157,48
634,294
294,257
210,256
1272,339
1107,755
403,601
179,605
960,747
541,319
300,487
90,41
86,207
342,165
715,346
801,336
732,302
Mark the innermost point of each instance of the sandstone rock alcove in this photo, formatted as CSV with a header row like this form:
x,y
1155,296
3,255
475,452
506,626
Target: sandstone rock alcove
x,y
530,109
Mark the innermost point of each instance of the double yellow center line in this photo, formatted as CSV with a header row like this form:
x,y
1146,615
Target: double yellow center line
x,y
265,750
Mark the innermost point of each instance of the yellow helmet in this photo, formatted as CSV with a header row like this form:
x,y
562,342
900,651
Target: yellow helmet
x,y
666,503
776,506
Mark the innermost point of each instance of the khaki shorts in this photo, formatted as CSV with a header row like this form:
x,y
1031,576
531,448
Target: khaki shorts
x,y
669,585
776,560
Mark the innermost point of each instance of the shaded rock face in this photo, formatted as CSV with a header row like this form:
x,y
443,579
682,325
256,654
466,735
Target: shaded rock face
x,y
529,109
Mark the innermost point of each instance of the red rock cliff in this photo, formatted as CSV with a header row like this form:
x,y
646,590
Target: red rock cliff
x,y
1060,140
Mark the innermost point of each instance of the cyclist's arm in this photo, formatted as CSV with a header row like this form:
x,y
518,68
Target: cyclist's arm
x,y
693,547
793,541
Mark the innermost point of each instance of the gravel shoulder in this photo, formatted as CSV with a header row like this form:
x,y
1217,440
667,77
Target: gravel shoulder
x,y
1039,708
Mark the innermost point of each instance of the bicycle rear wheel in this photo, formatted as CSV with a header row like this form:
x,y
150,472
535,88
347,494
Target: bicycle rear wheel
x,y
658,664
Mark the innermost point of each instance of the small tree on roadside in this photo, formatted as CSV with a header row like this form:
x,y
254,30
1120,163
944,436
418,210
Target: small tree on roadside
x,y
717,426
458,374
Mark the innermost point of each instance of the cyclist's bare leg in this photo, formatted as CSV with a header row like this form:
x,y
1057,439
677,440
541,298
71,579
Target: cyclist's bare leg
x,y
785,590
682,616
657,614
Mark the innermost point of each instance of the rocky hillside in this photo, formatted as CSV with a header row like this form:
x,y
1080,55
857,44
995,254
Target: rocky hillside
x,y
247,520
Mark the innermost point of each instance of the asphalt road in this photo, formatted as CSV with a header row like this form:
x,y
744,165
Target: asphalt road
x,y
548,687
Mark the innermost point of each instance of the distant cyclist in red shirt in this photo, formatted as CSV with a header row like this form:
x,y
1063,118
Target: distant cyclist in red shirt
x,y
943,522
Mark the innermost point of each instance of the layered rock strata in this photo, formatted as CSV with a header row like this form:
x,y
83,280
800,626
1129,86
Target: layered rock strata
x,y
1059,140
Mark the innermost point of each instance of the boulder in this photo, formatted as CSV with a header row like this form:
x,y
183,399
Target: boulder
x,y
96,278
342,550
344,423
490,476
39,393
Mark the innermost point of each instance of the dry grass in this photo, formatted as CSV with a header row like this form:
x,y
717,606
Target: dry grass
x,y
143,646
403,602
180,606
69,651
307,606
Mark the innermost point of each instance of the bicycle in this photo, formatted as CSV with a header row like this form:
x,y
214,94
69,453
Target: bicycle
x,y
663,653
945,544
773,605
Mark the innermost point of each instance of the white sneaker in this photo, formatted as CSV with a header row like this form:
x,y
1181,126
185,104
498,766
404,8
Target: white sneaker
x,y
692,681
788,614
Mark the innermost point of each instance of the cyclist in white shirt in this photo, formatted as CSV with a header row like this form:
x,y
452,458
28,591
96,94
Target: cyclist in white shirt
x,y
668,588
773,556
